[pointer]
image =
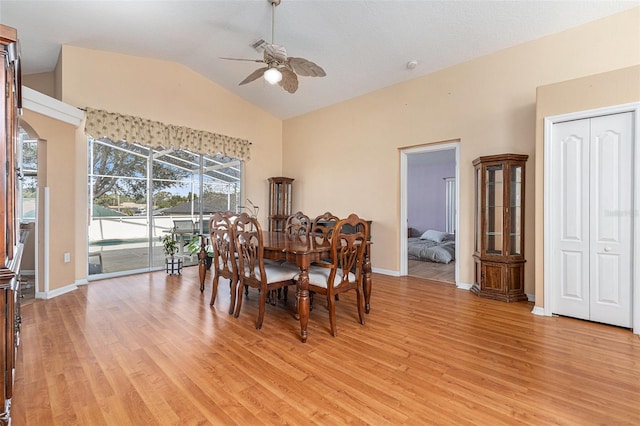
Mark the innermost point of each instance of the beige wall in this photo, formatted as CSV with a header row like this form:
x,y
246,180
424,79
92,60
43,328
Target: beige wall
x,y
81,202
43,83
596,91
57,73
57,171
345,157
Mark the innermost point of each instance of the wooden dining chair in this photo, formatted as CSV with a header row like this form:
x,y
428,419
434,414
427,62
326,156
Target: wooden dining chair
x,y
298,224
224,255
322,227
344,272
252,270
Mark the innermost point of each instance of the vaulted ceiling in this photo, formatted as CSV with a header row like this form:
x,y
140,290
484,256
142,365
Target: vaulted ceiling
x,y
363,45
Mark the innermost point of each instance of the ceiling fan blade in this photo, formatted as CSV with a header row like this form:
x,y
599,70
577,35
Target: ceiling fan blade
x,y
240,59
254,75
306,68
289,80
275,52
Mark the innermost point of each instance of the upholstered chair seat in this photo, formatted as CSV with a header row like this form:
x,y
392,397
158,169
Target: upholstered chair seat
x,y
320,276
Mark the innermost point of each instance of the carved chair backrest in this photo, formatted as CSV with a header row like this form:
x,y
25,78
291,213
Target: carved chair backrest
x,y
224,258
323,226
348,245
247,234
298,224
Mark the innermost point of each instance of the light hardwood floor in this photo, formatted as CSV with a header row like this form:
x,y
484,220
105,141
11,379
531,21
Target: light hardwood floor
x,y
444,272
148,350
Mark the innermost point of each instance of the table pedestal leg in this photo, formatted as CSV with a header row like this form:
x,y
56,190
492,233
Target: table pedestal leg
x,y
303,302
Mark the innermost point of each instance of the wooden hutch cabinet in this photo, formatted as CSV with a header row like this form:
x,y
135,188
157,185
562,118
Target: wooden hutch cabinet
x,y
499,224
11,247
279,202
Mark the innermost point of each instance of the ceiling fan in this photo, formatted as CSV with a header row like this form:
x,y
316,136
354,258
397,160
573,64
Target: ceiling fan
x,y
280,68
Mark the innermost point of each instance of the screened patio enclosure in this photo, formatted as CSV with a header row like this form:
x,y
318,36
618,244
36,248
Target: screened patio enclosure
x,y
138,194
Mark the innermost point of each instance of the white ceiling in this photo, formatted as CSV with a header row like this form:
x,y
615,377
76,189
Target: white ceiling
x,y
363,45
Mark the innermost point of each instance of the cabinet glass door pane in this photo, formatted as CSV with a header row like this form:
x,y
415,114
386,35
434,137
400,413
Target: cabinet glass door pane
x,y
478,209
515,210
279,199
495,190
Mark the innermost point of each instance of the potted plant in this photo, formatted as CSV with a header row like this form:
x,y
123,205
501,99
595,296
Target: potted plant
x,y
194,248
173,263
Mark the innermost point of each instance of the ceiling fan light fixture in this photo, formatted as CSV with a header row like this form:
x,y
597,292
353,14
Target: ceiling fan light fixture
x,y
278,67
273,76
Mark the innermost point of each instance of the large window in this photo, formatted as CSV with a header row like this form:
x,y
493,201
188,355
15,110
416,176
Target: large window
x,y
28,176
138,195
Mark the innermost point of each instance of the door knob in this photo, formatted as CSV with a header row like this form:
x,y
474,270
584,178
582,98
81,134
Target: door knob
x,y
607,249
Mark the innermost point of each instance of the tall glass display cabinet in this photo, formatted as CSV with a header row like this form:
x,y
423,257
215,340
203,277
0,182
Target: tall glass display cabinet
x,y
279,202
499,225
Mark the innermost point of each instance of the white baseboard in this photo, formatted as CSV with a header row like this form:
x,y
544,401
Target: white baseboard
x,y
29,272
464,286
531,297
57,292
386,272
82,281
537,310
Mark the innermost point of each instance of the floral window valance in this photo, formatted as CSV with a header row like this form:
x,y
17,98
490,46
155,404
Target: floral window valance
x,y
154,134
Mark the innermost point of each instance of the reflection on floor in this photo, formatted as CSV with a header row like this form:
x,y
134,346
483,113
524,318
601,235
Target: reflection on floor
x,y
107,261
433,271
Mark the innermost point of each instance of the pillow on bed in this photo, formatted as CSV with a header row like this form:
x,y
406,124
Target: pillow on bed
x,y
435,236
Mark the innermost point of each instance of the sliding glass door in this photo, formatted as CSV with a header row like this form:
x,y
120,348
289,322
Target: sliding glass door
x,y
138,195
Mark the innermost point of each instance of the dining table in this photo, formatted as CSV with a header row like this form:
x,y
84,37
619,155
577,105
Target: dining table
x,y
303,252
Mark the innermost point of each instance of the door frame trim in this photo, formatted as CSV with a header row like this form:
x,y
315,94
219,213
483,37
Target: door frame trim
x,y
634,108
404,153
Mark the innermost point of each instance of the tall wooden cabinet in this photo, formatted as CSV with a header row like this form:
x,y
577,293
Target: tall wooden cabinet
x,y
11,247
279,202
499,227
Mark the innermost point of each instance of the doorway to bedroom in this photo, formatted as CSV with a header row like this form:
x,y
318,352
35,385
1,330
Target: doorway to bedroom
x,y
429,211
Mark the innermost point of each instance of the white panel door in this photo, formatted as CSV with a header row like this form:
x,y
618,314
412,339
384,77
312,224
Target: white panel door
x,y
611,210
591,224
570,223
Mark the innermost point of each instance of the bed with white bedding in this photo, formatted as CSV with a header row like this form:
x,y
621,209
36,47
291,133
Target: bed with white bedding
x,y
432,246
